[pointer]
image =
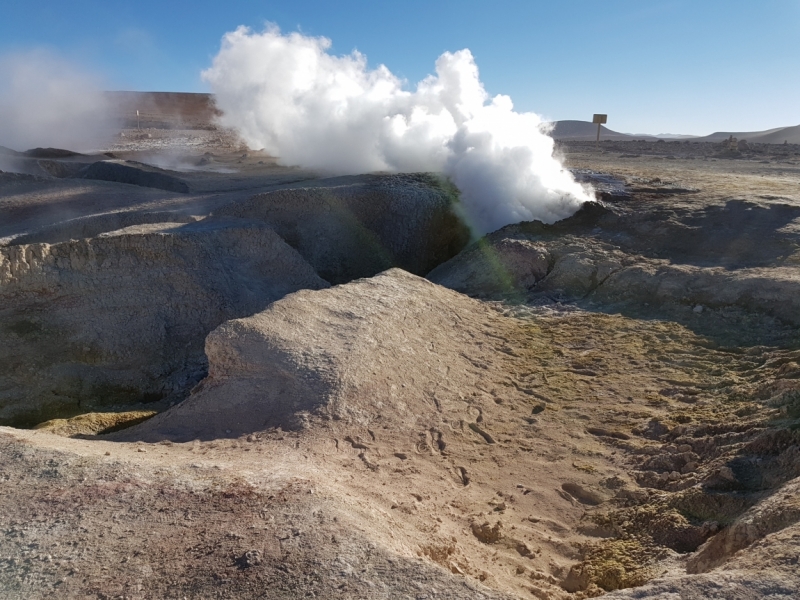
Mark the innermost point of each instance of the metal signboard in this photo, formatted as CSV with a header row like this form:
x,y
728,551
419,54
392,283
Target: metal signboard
x,y
599,119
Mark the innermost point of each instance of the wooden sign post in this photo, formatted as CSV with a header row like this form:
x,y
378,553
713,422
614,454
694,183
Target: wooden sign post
x,y
600,120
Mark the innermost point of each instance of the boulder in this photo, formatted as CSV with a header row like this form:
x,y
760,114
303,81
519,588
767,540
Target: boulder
x,y
122,317
353,227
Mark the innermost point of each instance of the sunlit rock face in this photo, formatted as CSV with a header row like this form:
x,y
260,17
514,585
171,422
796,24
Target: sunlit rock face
x,y
122,317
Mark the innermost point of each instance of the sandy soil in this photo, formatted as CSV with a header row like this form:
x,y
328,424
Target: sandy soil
x,y
606,446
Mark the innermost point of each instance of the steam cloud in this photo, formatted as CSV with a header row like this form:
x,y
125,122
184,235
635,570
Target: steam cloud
x,y
47,101
288,95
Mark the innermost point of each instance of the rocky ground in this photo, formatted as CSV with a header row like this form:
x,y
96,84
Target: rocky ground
x,y
607,405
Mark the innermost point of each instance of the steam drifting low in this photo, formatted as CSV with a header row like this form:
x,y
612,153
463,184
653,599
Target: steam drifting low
x,y
288,95
48,101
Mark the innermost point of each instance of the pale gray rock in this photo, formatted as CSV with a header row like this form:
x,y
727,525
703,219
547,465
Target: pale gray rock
x,y
122,317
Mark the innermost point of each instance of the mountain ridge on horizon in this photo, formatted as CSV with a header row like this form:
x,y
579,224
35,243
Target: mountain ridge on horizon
x,y
587,131
160,106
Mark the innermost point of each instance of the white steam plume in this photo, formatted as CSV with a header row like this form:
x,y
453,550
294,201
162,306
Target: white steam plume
x,y
46,101
288,95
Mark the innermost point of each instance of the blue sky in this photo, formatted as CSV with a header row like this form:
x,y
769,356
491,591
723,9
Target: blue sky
x,y
677,66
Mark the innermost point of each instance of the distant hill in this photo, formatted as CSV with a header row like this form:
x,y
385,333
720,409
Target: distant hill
x,y
770,136
673,136
587,131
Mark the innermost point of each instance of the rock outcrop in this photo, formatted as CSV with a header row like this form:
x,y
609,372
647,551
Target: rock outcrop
x,y
518,266
61,168
52,153
353,227
134,173
563,262
122,317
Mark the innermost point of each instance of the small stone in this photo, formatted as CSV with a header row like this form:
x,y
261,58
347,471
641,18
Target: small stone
x,y
698,309
487,533
251,558
523,549
711,527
